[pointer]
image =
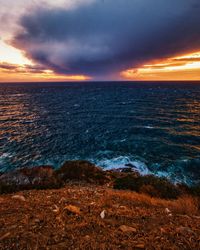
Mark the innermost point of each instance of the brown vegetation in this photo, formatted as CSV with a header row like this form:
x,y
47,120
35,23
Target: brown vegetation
x,y
154,186
95,217
45,177
81,171
84,212
42,177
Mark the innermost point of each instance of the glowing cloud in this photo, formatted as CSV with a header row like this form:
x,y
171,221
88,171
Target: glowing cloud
x,y
30,73
101,39
11,55
186,67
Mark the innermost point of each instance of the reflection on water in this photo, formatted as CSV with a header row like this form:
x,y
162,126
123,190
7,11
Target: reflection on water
x,y
154,125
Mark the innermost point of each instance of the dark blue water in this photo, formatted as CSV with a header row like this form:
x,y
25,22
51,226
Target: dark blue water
x,y
155,126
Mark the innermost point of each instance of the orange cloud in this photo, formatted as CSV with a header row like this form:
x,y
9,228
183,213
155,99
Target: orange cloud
x,y
30,73
186,67
15,67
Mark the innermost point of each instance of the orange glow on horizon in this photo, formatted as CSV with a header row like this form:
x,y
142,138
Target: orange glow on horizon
x,y
185,67
15,67
26,73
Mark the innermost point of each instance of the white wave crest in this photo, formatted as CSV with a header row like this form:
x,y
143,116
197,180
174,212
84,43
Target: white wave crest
x,y
121,162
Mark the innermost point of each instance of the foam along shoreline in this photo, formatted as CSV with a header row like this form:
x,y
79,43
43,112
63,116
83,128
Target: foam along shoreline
x,y
181,171
178,172
122,162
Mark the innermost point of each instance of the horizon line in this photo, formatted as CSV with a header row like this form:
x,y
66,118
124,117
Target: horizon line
x,y
95,81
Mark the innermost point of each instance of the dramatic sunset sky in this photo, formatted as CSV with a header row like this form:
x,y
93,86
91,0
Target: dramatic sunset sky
x,y
67,40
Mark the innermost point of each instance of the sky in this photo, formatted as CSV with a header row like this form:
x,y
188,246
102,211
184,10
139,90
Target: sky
x,y
79,40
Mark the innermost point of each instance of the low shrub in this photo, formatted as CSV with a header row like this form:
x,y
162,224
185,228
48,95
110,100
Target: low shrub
x,y
195,190
81,171
42,177
154,186
149,190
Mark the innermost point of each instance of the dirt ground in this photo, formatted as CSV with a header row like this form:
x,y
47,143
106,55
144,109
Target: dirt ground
x,y
82,216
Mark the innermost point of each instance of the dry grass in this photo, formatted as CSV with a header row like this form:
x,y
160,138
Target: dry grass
x,y
69,218
183,205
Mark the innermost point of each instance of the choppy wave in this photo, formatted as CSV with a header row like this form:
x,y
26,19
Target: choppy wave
x,y
182,171
154,126
122,162
4,159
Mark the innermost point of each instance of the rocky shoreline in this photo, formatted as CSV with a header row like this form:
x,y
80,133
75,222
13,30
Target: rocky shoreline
x,y
46,177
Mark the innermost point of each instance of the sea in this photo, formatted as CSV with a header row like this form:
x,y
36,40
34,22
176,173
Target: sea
x,y
155,126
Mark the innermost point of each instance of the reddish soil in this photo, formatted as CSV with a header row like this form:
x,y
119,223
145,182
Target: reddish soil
x,y
69,218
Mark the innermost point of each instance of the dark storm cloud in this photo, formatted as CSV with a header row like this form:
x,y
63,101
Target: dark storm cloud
x,y
109,36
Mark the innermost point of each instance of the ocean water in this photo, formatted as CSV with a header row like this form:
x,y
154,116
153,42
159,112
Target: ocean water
x,y
155,126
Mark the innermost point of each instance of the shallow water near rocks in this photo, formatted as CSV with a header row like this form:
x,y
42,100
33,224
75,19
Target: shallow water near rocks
x,y
155,126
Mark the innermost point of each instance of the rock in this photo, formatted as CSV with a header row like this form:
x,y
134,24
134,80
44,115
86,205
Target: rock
x,y
87,237
127,229
37,221
72,209
130,168
56,209
167,211
126,170
102,214
130,165
140,246
19,197
163,231
123,207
